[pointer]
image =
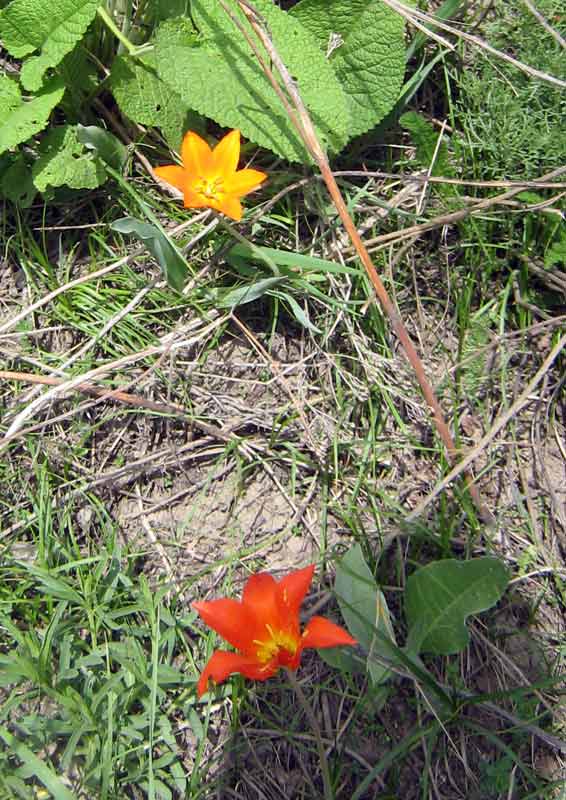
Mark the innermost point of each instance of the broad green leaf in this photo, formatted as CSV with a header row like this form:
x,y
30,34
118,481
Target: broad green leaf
x,y
440,597
249,293
81,81
16,182
363,607
165,9
144,97
53,26
219,76
364,43
36,766
10,96
64,161
23,119
104,144
171,262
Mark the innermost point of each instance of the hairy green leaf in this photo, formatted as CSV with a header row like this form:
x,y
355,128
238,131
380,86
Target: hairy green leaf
x,y
364,43
145,98
21,120
81,81
16,182
52,26
440,597
219,76
10,97
64,161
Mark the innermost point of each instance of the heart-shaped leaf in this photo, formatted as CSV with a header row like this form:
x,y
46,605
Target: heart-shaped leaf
x,y
441,596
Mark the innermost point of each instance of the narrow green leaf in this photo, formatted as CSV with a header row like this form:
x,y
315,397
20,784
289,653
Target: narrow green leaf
x,y
248,293
299,313
285,258
36,766
170,260
447,10
440,597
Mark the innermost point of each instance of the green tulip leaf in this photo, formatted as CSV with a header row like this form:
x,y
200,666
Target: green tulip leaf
x,y
364,609
441,596
171,262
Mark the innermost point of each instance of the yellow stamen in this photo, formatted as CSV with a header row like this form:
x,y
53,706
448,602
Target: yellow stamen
x,y
210,188
279,640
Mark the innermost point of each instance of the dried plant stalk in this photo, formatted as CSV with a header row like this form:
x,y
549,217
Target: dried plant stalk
x,y
301,120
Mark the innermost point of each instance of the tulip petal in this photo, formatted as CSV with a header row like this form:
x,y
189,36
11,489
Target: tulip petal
x,y
260,597
244,181
320,632
173,175
196,155
223,664
230,206
192,199
226,154
291,590
232,620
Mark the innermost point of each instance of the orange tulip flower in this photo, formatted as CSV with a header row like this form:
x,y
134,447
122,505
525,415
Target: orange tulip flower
x,y
211,178
264,628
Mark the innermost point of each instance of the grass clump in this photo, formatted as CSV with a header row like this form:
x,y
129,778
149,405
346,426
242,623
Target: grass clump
x,y
512,125
274,432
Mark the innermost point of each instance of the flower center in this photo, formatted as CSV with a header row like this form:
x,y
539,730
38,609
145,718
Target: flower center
x,y
210,188
278,640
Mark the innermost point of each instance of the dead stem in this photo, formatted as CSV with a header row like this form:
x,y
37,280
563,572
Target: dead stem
x,y
303,123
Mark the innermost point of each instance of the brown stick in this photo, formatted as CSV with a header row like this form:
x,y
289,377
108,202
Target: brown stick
x,y
307,132
122,397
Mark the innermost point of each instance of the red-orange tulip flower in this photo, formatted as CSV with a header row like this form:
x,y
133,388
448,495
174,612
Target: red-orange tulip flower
x,y
211,178
264,628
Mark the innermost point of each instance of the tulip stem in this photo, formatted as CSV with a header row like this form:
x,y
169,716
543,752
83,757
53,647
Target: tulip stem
x,y
307,708
261,254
